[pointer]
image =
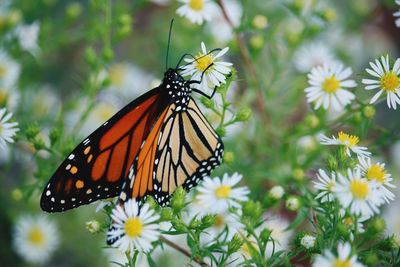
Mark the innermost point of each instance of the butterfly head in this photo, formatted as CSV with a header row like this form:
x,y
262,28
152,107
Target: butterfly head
x,y
177,87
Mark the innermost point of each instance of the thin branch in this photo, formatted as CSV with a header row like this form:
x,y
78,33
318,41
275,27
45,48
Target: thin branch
x,y
260,104
184,251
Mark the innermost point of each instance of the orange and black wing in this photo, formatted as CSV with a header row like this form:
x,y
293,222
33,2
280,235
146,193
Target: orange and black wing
x,y
180,150
97,167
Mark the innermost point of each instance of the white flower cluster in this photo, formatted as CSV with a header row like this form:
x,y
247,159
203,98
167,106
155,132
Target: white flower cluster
x,y
361,190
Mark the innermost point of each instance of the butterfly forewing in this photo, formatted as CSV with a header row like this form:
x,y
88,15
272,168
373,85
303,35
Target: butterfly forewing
x,y
97,167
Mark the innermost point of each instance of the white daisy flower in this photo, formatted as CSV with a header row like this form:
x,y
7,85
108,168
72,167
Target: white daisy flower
x,y
224,220
9,70
344,258
7,129
132,229
308,241
378,173
397,14
28,37
324,185
215,70
35,238
279,234
358,194
349,141
217,196
388,80
327,86
198,10
312,55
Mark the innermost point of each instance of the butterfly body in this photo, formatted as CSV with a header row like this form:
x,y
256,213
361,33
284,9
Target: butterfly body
x,y
156,143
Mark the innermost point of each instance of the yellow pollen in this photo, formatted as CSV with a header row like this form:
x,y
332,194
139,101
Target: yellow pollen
x,y
196,4
376,172
133,227
223,191
390,82
330,85
348,221
348,140
339,263
219,221
359,189
203,61
36,236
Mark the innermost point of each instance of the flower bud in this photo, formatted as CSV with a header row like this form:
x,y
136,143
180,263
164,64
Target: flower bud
x,y
369,111
54,135
208,220
308,241
93,226
195,224
298,174
178,225
342,229
73,10
178,199
276,192
293,203
312,121
265,234
166,214
39,144
32,131
235,244
221,131
329,14
228,157
259,22
252,209
371,259
256,41
357,117
90,55
107,54
377,226
395,241
243,114
17,194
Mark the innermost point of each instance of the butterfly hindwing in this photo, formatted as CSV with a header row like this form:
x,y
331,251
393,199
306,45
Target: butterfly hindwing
x,y
97,167
183,150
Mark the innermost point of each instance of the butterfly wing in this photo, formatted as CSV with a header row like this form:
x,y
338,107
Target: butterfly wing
x,y
180,150
97,167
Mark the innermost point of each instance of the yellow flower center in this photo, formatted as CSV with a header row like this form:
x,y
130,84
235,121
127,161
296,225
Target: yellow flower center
x,y
223,191
389,82
3,70
376,172
331,184
339,263
117,74
3,97
348,221
246,250
348,140
196,4
133,227
359,189
219,221
36,236
203,61
331,84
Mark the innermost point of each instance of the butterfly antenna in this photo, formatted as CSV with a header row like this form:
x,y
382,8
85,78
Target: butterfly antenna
x,y
169,40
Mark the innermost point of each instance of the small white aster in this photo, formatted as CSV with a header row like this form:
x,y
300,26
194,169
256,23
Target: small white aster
x,y
279,234
325,184
225,220
132,229
358,194
198,10
9,70
397,14
35,238
7,129
276,192
215,70
349,141
312,55
327,86
344,258
388,81
217,196
92,226
28,37
378,173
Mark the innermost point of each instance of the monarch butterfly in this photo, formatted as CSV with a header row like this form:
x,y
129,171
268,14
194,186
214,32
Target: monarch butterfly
x,y
156,143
